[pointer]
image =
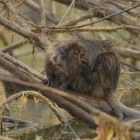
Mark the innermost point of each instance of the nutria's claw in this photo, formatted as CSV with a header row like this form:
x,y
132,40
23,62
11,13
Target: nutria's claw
x,y
47,82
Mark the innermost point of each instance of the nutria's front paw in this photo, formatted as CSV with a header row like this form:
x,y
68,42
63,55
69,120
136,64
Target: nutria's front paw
x,y
48,82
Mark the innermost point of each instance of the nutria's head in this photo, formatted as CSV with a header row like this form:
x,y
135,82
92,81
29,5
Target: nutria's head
x,y
68,55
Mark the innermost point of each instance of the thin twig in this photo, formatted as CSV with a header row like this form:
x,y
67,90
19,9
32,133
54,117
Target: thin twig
x,y
15,15
130,72
120,5
102,19
109,16
18,29
78,19
126,52
94,29
14,46
3,37
43,23
130,66
20,3
34,94
68,124
35,6
65,14
42,14
21,65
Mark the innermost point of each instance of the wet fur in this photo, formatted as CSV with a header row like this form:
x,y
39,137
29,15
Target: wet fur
x,y
90,66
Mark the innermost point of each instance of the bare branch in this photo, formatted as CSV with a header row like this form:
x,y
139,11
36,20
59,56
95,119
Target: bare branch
x,y
42,13
130,66
43,98
134,54
15,15
14,46
16,28
102,11
43,23
16,67
3,37
93,29
122,6
34,94
112,15
34,6
65,14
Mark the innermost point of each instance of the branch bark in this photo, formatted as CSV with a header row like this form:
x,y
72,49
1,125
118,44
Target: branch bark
x,y
25,33
103,11
15,14
77,107
19,69
48,15
14,46
125,52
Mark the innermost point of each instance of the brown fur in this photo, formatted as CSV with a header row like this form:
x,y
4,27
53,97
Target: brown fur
x,y
86,66
72,66
89,66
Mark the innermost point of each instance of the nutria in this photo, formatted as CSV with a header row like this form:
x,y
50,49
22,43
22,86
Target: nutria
x,y
88,66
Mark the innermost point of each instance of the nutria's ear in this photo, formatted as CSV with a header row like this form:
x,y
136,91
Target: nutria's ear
x,y
74,43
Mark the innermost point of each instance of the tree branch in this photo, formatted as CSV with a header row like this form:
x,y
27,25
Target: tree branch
x,y
25,33
35,6
14,46
19,69
102,10
15,15
126,52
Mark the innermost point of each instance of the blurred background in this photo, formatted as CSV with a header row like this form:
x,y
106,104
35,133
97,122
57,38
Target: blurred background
x,y
122,30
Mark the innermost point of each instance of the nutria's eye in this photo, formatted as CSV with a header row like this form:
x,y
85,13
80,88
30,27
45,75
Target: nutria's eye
x,y
61,52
